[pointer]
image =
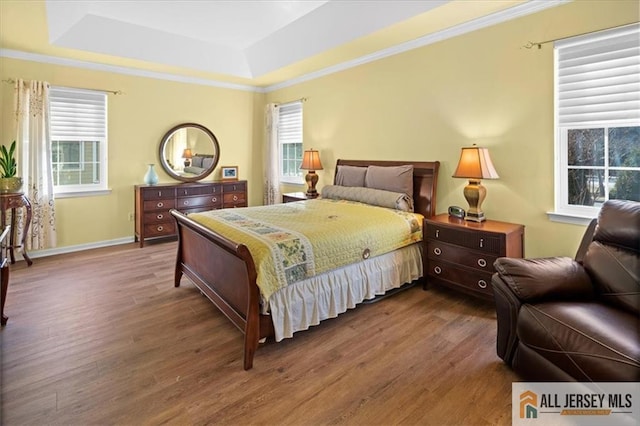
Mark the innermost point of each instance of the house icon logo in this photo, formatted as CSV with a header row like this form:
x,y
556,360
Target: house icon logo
x,y
528,405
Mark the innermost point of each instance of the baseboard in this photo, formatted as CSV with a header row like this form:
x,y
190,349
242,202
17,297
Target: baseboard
x,y
79,247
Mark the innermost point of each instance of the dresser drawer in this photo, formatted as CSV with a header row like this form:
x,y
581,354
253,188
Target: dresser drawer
x,y
236,199
188,191
209,201
159,205
444,252
234,187
159,229
158,193
158,217
472,280
483,241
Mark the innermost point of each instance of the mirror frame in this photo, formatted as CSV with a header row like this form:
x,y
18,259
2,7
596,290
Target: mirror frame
x,y
165,164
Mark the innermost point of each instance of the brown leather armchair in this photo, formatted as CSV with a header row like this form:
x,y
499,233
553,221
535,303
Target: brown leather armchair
x,y
561,319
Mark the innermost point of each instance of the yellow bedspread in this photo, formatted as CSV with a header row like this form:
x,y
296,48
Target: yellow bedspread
x,y
293,241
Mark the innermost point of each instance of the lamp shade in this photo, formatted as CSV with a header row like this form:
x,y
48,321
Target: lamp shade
x,y
187,153
311,160
475,163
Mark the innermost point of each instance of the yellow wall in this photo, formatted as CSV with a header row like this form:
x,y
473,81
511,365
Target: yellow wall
x,y
483,88
138,120
425,104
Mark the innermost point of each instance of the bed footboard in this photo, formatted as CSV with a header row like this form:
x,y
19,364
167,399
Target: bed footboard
x,y
224,271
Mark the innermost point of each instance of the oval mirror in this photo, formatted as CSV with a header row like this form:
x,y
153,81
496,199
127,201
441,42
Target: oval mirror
x,y
189,152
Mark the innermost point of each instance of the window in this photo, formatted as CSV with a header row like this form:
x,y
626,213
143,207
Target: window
x,y
78,140
290,142
597,79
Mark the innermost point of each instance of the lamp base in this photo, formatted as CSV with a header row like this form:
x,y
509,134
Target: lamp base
x,y
312,179
475,217
475,193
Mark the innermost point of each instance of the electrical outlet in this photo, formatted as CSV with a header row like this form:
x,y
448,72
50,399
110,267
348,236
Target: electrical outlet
x,y
130,217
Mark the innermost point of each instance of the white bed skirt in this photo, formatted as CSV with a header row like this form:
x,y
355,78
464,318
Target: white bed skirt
x,y
305,303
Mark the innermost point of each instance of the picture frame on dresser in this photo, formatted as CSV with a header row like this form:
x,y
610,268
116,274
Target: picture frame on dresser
x,y
229,172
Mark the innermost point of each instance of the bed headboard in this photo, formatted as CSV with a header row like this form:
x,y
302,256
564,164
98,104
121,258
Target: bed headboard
x,y
425,180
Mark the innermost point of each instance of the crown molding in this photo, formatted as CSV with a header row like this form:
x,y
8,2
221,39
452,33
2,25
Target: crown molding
x,y
476,24
96,66
466,27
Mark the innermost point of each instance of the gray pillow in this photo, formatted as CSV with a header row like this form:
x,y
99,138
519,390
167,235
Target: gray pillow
x,y
374,197
207,162
394,179
194,170
196,161
350,176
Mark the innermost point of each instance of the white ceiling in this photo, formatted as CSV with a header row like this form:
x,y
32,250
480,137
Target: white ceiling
x,y
245,39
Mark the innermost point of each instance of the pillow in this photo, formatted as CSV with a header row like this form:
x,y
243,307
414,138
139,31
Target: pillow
x,y
374,197
196,161
194,170
350,176
207,162
394,179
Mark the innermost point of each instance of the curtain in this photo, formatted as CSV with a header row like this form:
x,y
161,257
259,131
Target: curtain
x,y
272,160
34,162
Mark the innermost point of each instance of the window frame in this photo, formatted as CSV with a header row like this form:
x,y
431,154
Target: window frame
x,y
298,130
563,211
74,134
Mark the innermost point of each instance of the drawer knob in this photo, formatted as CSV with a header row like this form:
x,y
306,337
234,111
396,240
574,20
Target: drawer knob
x,y
160,228
186,192
214,199
160,216
185,203
482,263
437,233
481,242
160,204
235,197
482,284
159,194
437,270
437,251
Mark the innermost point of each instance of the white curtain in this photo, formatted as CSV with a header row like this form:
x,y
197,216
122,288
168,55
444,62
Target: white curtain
x,y
272,160
34,162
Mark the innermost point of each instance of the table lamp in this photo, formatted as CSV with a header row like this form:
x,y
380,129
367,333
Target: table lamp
x,y
475,164
311,163
187,155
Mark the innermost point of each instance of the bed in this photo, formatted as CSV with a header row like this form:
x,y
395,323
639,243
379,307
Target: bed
x,y
225,271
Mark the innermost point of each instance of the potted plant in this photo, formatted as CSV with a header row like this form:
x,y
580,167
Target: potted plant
x,y
9,182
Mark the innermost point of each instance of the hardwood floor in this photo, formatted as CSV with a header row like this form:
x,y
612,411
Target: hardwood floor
x,y
103,337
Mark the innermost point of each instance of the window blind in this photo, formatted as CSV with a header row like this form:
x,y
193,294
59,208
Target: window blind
x,y
290,123
598,77
77,114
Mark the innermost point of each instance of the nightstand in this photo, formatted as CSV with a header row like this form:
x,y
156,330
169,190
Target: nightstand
x,y
460,253
290,197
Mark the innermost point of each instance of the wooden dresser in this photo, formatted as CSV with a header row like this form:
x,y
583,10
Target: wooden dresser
x,y
460,253
153,202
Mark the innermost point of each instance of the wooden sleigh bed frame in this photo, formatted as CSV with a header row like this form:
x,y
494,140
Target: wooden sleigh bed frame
x,y
225,272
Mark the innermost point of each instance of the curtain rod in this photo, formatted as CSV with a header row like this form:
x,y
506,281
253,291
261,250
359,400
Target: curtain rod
x,y
291,101
113,92
532,44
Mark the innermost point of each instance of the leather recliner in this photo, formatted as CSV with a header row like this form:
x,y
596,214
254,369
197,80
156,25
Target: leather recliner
x,y
563,319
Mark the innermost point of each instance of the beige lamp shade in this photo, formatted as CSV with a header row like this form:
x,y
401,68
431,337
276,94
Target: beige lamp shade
x,y
475,164
311,160
187,153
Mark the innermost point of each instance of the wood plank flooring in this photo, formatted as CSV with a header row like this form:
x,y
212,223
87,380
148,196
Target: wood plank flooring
x,y
103,337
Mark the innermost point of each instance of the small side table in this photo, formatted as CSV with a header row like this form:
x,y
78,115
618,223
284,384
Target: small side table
x,y
290,197
13,201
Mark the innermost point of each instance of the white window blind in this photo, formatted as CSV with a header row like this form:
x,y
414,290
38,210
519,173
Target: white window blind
x,y
290,142
77,113
598,77
290,123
